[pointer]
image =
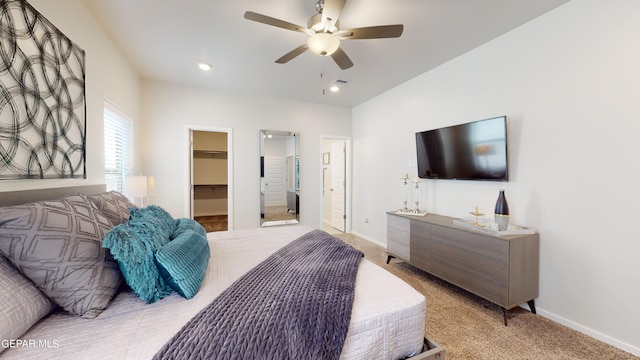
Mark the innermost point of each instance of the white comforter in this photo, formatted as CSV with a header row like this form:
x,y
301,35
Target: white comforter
x,y
387,321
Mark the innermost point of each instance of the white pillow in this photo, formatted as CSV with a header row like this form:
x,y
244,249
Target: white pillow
x,y
21,303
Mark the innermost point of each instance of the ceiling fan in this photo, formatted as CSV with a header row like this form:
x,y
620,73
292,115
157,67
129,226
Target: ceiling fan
x,y
325,34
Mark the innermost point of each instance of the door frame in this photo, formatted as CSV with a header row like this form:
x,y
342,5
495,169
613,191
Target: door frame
x,y
348,178
188,171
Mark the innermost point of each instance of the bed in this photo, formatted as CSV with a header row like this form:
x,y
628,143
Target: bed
x,y
387,318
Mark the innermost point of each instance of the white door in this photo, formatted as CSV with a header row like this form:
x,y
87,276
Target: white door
x,y
275,192
338,174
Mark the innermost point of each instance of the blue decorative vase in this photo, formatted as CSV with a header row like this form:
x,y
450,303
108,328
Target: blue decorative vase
x,y
501,216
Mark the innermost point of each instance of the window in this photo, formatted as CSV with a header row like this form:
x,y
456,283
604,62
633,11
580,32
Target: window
x,y
118,147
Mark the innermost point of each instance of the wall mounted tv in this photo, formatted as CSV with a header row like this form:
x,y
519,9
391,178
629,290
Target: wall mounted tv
x,y
472,151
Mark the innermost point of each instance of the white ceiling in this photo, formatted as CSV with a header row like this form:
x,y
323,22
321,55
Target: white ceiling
x,y
164,40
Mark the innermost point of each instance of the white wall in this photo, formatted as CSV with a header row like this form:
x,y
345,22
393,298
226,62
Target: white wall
x,y
168,108
108,75
569,83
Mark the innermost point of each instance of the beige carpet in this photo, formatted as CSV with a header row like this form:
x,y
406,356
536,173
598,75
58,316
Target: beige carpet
x,y
213,223
469,327
277,213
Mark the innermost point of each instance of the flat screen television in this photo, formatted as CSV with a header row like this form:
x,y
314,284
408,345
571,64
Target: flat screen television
x,y
472,151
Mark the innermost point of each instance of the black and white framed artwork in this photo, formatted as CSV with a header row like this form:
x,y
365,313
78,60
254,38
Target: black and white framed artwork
x,y
42,97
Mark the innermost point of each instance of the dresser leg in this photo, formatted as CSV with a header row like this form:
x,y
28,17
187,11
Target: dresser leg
x,y
504,314
389,257
532,307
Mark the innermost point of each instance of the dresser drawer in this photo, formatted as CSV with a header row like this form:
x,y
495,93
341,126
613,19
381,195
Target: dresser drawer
x,y
398,237
420,252
482,266
398,222
488,246
472,282
420,228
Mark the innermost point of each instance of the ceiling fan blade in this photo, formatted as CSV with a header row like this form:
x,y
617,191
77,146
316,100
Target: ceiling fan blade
x,y
341,58
372,32
292,54
331,12
250,15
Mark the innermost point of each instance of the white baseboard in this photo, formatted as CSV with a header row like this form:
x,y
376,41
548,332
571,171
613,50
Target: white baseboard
x,y
369,239
590,332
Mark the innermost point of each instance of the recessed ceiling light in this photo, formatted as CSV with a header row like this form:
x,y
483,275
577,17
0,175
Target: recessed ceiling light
x,y
337,85
204,66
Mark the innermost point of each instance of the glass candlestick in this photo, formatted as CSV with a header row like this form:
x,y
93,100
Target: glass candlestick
x,y
417,182
404,182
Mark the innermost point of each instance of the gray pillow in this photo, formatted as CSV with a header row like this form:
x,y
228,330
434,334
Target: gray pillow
x,y
21,303
58,245
113,205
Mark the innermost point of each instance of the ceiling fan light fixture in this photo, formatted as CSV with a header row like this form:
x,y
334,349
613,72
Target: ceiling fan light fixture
x,y
323,43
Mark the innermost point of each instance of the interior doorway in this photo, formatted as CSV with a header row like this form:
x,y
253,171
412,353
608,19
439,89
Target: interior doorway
x,y
210,177
336,185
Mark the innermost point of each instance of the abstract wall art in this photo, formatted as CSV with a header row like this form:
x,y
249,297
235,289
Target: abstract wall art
x,y
42,97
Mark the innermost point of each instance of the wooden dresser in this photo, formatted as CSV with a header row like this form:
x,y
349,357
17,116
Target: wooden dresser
x,y
501,269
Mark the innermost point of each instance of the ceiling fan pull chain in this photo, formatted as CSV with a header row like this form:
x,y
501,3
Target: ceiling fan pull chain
x,y
322,73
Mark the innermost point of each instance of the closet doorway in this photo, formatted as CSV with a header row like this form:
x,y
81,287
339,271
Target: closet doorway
x,y
210,178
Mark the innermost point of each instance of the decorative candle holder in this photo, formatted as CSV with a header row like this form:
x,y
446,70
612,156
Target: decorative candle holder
x,y
405,210
417,182
404,181
476,214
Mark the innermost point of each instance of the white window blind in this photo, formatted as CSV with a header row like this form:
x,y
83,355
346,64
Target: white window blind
x,y
118,147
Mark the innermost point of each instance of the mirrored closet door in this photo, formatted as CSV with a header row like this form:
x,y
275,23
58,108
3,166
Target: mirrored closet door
x,y
279,178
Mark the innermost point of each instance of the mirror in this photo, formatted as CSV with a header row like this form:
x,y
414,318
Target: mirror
x,y
279,178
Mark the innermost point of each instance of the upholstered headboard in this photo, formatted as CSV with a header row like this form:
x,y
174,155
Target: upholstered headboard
x,y
27,196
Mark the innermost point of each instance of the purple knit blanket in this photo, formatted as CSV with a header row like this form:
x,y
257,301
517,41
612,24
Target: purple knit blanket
x,y
294,305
